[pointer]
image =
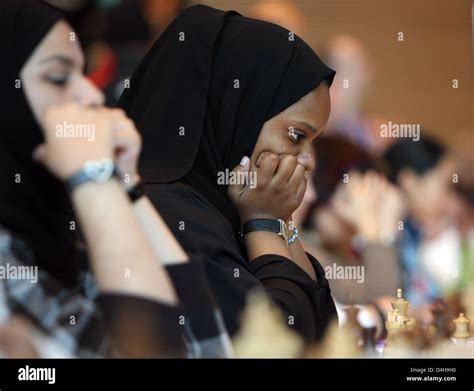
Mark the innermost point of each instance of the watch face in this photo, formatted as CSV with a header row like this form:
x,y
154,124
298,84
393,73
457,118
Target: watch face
x,y
100,170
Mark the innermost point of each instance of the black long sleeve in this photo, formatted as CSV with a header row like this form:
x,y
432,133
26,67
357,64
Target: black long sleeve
x,y
306,304
207,236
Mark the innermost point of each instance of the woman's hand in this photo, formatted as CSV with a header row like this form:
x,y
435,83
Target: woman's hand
x,y
16,339
75,134
127,144
356,202
370,204
280,186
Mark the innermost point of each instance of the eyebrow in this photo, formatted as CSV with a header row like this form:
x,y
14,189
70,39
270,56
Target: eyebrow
x,y
67,61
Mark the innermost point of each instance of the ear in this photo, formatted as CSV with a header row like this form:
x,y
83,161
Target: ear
x,y
407,179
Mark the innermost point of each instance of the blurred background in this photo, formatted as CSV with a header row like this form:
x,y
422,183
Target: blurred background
x,y
407,54
411,80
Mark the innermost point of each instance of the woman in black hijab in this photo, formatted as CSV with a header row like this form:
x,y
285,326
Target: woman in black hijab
x,y
214,88
81,297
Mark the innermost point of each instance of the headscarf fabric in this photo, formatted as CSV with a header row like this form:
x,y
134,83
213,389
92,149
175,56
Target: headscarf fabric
x,y
204,90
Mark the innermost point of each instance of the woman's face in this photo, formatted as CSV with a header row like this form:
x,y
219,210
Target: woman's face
x,y
294,130
53,73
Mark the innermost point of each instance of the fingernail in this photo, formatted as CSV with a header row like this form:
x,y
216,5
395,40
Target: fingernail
x,y
244,161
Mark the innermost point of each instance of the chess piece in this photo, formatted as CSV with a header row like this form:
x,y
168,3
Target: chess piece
x,y
459,345
461,331
401,304
398,320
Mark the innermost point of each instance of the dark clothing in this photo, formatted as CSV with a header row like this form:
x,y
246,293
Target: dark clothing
x,y
200,98
207,236
204,90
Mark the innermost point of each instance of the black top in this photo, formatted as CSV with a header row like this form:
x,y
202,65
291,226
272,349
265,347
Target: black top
x,y
200,98
204,90
208,237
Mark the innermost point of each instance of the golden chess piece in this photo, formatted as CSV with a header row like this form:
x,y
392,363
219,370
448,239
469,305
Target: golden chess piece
x,y
401,304
461,324
397,320
400,313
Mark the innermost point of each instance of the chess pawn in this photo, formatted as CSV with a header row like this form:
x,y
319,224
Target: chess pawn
x,y
400,304
461,324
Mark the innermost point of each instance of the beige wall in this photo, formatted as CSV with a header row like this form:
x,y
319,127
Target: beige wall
x,y
414,77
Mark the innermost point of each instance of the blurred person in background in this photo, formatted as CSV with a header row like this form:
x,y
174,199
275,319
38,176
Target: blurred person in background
x,y
116,34
463,212
355,74
354,220
131,28
283,13
431,253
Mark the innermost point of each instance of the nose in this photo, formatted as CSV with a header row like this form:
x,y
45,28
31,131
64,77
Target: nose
x,y
87,94
306,158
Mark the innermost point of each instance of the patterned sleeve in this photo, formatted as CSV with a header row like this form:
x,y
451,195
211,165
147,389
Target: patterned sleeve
x,y
66,317
79,322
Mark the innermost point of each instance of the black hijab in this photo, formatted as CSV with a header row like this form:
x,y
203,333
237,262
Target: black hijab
x,y
204,90
33,204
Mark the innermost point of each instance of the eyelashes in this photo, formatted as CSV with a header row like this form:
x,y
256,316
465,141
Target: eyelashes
x,y
57,79
296,135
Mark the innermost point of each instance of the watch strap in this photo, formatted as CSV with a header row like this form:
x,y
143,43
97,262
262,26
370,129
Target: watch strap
x,y
137,191
93,171
275,226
